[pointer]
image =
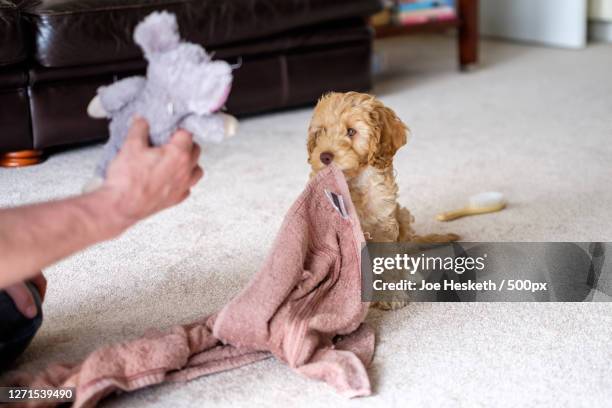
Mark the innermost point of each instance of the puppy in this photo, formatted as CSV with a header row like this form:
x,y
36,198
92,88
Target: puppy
x,y
360,135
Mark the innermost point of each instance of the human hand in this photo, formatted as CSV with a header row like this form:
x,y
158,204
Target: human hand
x,y
143,180
22,297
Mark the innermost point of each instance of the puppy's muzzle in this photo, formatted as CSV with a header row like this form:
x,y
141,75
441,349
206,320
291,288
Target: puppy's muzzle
x,y
326,158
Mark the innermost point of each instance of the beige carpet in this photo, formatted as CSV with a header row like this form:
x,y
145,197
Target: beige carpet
x,y
532,122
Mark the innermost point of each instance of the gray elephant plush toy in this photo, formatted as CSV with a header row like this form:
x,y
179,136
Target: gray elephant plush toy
x,y
183,88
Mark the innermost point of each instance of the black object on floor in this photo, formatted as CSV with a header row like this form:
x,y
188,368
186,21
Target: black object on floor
x,y
16,330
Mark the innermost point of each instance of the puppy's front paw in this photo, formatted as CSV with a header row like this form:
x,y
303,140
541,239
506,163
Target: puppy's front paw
x,y
436,238
390,305
452,237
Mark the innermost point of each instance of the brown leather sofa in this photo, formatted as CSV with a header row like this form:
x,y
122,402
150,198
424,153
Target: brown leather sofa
x,y
54,54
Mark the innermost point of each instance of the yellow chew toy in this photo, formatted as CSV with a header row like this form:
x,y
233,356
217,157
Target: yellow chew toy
x,y
478,204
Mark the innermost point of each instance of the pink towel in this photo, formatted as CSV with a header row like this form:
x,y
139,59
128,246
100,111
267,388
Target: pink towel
x,y
303,307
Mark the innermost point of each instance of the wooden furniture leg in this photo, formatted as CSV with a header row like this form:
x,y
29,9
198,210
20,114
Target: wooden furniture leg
x,y
21,158
468,32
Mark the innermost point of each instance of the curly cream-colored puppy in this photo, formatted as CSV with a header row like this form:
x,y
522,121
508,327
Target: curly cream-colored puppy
x,y
360,135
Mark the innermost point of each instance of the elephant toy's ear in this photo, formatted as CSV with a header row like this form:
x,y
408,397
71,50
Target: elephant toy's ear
x,y
158,32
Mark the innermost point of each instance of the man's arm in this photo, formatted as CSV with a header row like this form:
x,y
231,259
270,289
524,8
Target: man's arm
x,y
141,181
38,235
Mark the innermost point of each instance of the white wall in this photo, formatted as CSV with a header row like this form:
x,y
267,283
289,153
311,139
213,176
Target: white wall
x,y
553,22
600,10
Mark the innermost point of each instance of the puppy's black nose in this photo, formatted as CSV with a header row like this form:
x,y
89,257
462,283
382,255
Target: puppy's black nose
x,y
326,158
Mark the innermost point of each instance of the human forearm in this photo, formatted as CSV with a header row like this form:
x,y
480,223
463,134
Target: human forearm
x,y
35,236
141,181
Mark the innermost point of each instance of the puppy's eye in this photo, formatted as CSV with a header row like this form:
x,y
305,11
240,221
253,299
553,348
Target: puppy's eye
x,y
350,132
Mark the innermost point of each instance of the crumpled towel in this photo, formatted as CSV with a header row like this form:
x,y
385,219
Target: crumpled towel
x,y
303,307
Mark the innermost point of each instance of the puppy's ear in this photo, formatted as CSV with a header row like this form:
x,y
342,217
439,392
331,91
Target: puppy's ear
x,y
393,134
311,143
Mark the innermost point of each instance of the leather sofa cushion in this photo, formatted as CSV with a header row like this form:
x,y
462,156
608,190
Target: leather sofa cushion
x,y
12,43
320,36
81,32
13,77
